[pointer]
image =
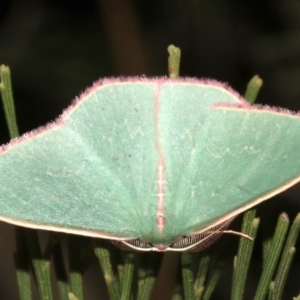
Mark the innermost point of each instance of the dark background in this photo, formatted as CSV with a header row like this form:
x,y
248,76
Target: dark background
x,y
56,48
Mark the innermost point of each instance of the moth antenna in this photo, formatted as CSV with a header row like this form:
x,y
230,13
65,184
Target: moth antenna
x,y
236,233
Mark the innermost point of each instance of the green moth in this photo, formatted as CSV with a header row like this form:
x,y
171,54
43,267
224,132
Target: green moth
x,y
153,164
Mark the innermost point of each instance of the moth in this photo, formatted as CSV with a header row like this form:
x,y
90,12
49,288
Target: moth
x,y
152,164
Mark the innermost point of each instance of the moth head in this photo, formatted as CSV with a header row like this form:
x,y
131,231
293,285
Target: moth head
x,y
191,243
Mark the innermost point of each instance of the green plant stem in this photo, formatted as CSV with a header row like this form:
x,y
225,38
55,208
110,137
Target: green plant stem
x,y
297,298
120,268
21,258
213,279
253,89
274,254
174,61
187,276
279,283
41,266
271,290
177,294
202,273
242,260
286,259
268,224
104,259
146,284
71,296
147,274
177,297
127,275
8,101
